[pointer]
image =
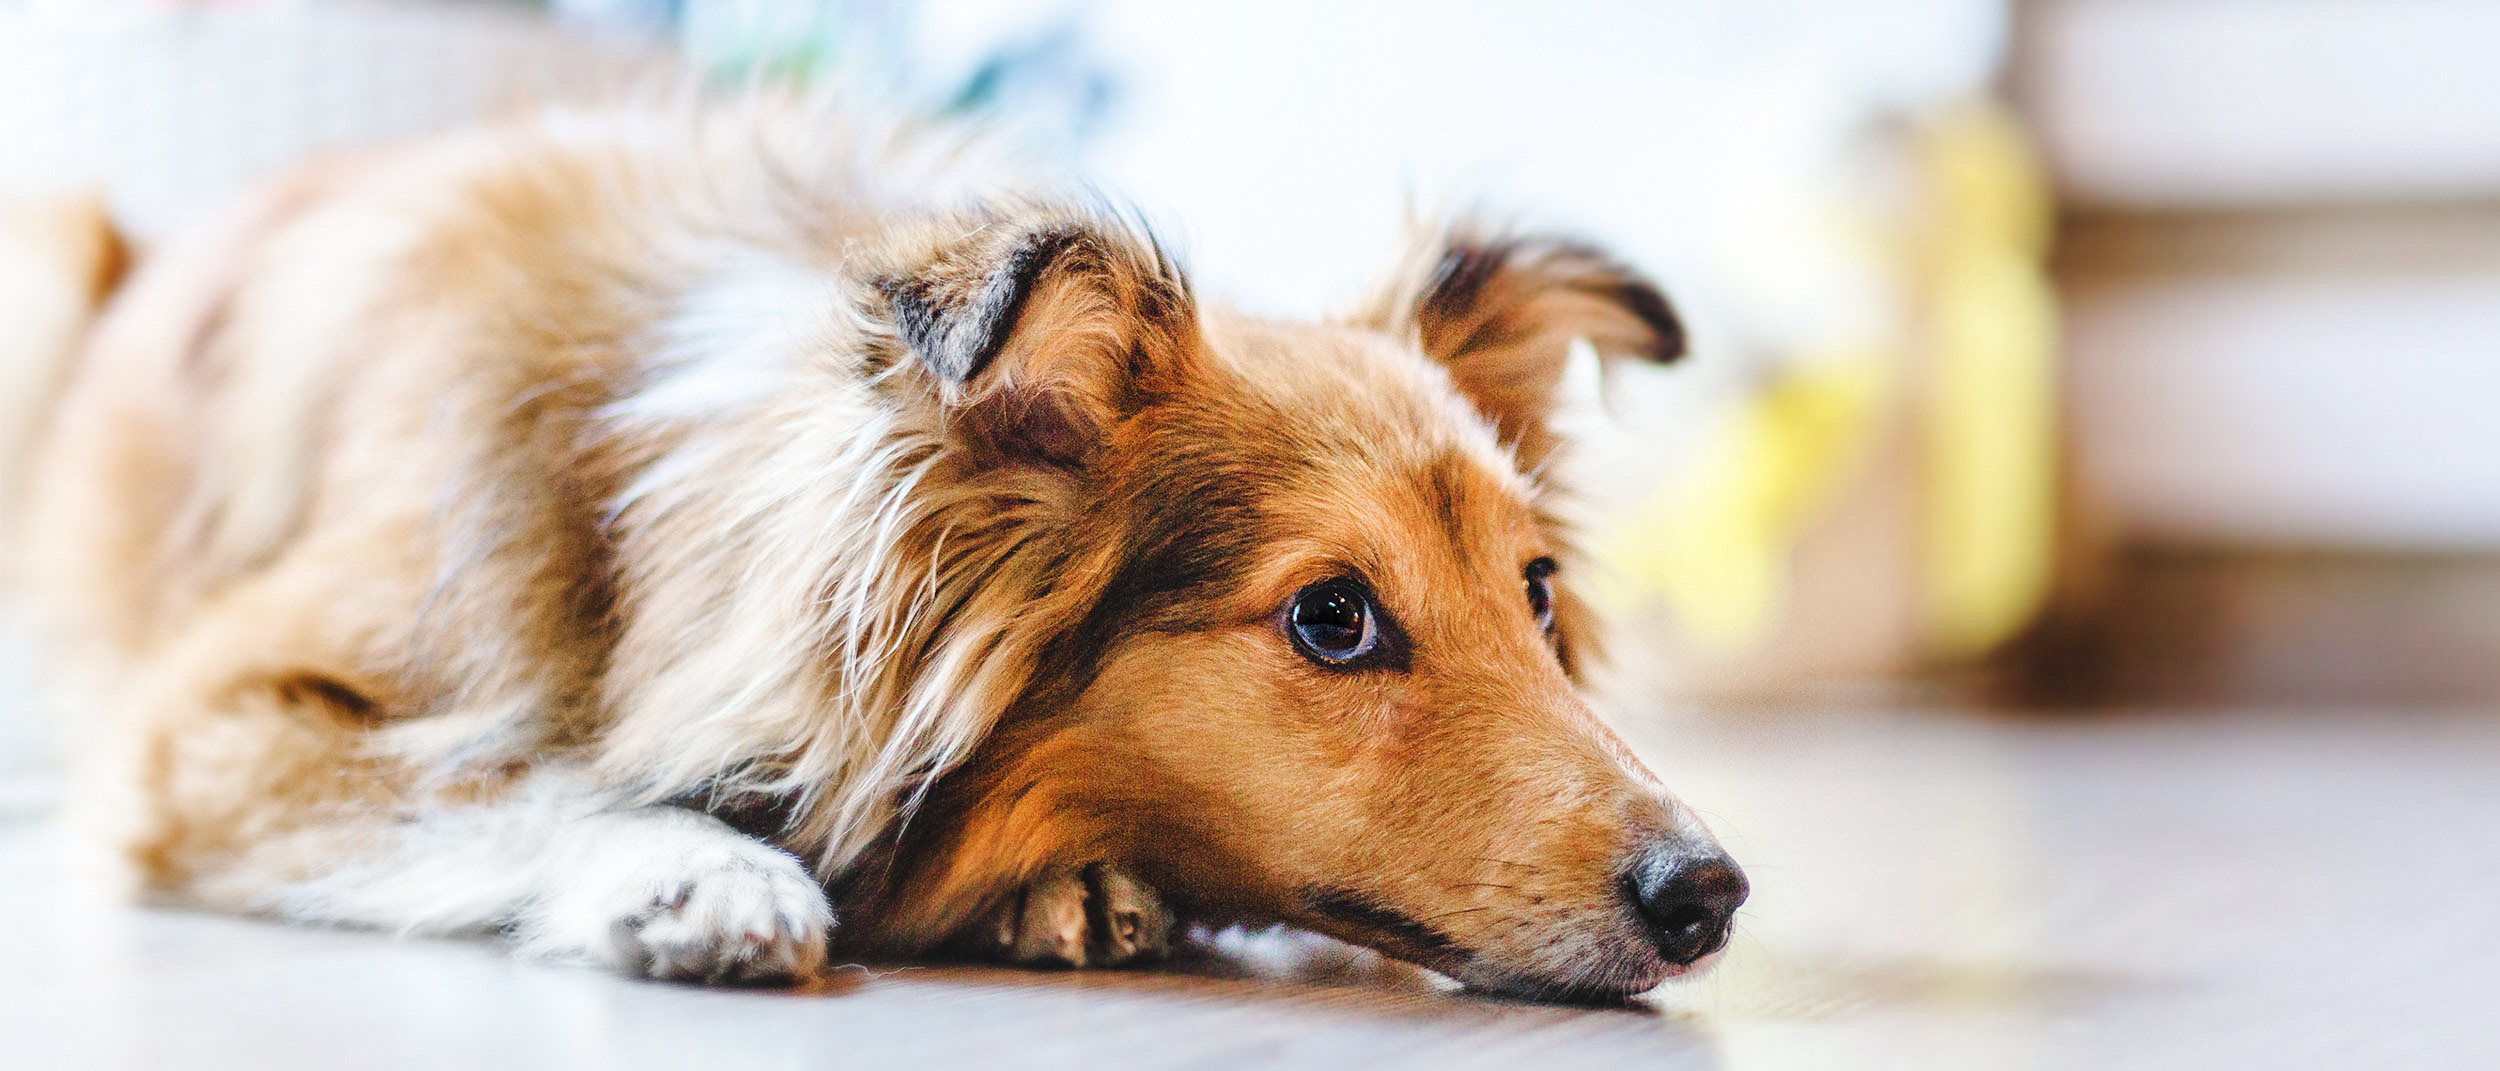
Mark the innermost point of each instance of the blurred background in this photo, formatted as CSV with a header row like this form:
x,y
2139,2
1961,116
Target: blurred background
x,y
2071,351
2121,357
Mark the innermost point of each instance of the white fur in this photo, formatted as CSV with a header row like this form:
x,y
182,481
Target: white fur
x,y
732,339
660,891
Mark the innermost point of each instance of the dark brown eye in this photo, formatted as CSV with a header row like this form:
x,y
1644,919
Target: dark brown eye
x,y
1540,577
1334,622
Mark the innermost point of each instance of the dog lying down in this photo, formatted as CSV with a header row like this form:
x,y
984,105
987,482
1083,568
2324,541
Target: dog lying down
x,y
658,535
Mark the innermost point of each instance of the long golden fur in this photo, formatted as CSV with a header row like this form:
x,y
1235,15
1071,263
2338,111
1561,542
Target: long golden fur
x,y
656,533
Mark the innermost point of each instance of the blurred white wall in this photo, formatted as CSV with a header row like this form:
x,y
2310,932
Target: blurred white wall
x,y
2239,103
166,107
1286,142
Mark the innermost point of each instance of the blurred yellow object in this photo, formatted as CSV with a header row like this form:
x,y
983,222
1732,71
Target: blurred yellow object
x,y
1988,436
1970,373
1716,547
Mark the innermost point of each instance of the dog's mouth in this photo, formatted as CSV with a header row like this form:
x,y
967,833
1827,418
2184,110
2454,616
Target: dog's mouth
x,y
1367,920
1609,972
1608,982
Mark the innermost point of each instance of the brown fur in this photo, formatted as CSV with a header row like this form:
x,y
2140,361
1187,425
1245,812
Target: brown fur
x,y
431,477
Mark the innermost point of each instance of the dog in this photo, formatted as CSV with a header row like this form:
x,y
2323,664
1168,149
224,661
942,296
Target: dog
x,y
695,540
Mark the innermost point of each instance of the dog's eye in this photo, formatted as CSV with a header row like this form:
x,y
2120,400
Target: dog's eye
x,y
1540,577
1334,621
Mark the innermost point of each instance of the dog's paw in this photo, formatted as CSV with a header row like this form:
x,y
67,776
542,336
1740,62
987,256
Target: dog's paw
x,y
728,917
1094,916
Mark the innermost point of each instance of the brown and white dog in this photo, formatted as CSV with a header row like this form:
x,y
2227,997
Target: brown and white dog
x,y
657,534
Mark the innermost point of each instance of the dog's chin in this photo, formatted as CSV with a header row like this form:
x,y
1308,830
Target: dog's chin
x,y
1612,983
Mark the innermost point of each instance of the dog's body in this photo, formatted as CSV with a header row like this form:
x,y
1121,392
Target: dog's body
x,y
635,532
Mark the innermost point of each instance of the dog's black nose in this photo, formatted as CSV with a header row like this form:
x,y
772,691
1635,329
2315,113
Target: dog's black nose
x,y
1687,898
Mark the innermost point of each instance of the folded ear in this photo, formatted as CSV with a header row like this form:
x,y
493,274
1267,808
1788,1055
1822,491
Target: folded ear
x,y
1500,311
1042,330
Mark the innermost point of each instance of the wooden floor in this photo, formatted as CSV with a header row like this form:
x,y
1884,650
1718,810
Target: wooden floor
x,y
1934,889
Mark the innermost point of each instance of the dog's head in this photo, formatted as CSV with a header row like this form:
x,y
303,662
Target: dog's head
x,y
1315,653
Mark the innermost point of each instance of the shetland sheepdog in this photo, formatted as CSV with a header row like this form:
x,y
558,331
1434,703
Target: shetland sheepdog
x,y
700,540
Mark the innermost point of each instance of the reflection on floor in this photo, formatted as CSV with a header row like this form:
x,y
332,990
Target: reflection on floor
x,y
1934,889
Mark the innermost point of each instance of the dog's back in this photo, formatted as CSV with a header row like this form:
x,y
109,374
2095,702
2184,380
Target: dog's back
x,y
333,513
59,259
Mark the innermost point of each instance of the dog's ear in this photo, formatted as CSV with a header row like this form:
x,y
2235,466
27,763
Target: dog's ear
x,y
1500,311
1041,332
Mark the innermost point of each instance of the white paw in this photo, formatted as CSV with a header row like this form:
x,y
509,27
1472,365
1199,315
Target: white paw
x,y
730,917
1094,916
681,897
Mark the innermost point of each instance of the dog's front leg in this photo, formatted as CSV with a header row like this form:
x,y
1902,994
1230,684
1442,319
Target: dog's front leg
x,y
669,893
657,891
1096,915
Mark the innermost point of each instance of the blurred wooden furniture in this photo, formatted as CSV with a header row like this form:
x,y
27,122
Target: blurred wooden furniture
x,y
2280,267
